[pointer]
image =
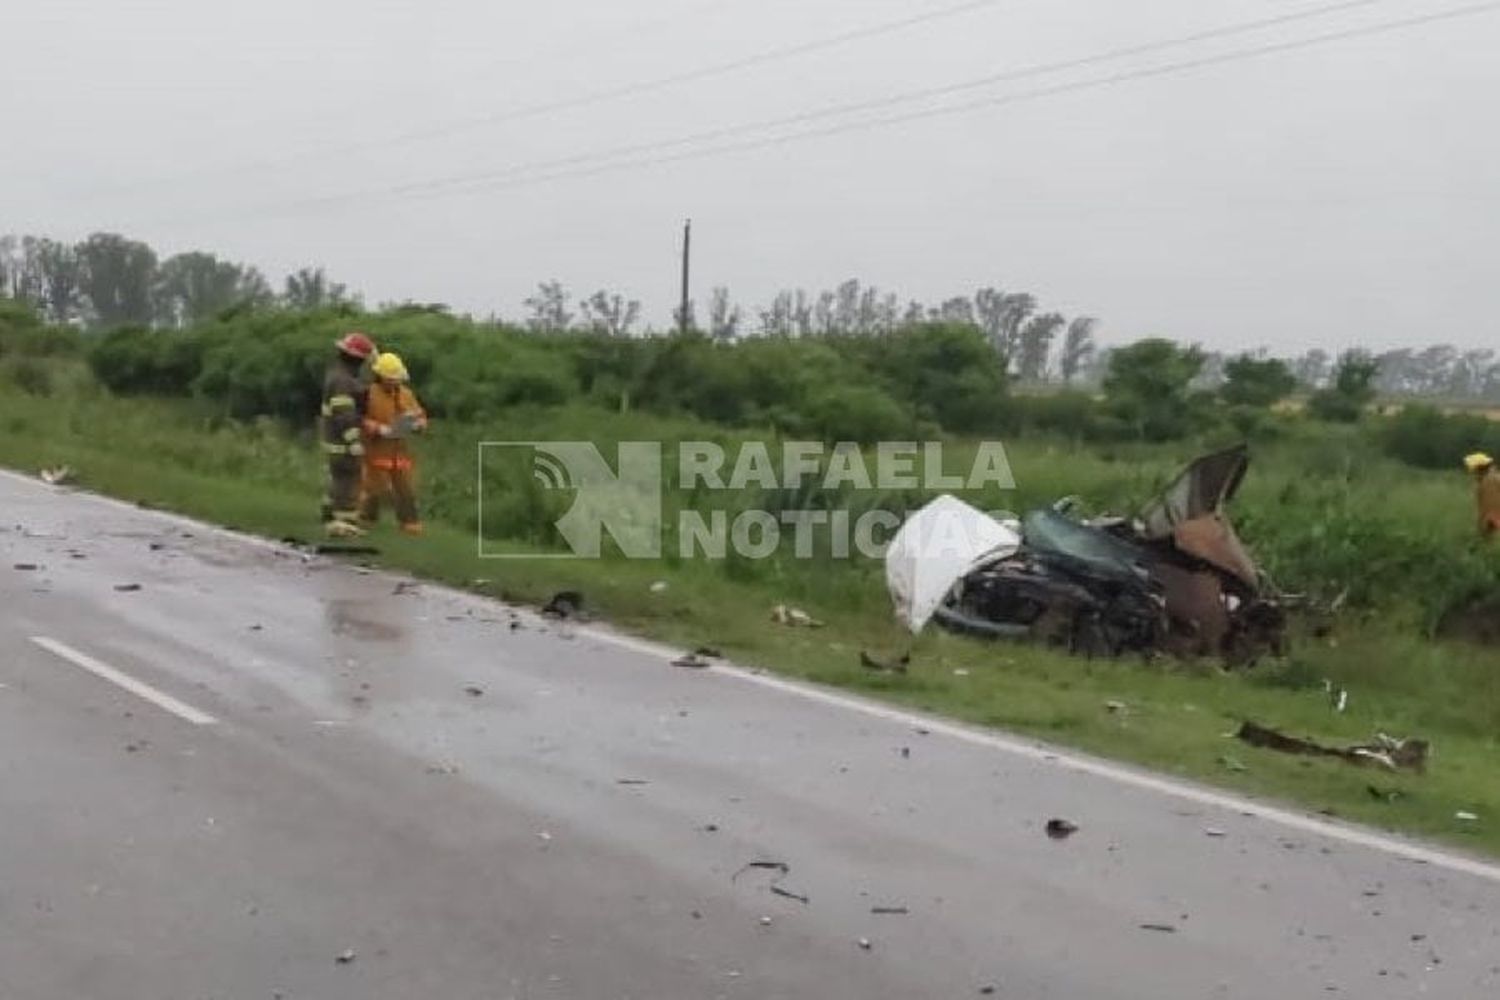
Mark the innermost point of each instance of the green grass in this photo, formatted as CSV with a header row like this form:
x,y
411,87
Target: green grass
x,y
1307,503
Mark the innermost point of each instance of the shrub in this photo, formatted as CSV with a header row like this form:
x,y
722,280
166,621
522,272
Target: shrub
x,y
1429,439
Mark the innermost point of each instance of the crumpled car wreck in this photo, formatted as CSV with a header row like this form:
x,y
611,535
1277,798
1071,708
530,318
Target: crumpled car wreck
x,y
1175,579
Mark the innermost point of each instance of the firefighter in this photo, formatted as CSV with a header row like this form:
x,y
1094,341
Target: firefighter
x,y
344,393
392,414
1486,491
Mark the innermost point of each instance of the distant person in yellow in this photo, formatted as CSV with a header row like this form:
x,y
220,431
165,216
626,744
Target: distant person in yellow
x,y
392,415
1486,491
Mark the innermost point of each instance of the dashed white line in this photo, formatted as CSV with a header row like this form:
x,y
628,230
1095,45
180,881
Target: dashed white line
x,y
124,681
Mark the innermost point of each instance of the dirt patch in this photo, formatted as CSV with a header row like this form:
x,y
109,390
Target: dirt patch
x,y
1476,620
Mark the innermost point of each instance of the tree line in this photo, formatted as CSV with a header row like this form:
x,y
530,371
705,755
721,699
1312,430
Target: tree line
x,y
108,281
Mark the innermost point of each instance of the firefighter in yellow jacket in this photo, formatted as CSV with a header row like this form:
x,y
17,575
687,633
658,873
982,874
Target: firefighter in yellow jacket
x,y
392,415
1486,492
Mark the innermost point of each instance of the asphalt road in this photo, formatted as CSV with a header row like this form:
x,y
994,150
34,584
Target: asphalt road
x,y
259,776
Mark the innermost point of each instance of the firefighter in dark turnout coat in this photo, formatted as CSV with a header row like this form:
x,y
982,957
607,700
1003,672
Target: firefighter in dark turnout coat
x,y
344,396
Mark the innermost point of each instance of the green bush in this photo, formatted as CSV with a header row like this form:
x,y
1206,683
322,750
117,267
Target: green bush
x,y
29,375
1430,439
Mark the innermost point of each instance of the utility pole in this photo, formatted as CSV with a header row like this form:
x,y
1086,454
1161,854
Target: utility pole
x,y
684,310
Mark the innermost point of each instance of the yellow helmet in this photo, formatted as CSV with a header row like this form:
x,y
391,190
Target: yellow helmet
x,y
1478,460
390,366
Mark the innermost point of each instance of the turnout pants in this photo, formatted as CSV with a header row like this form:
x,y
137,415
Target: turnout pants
x,y
342,501
398,484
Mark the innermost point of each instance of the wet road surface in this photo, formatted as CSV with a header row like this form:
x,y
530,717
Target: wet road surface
x,y
260,776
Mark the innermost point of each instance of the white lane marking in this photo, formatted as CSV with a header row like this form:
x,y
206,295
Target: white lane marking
x,y
1036,751
140,689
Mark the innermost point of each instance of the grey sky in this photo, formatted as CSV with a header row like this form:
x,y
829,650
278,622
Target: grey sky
x,y
1334,195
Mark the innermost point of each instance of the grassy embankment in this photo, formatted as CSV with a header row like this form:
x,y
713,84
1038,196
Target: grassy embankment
x,y
1320,512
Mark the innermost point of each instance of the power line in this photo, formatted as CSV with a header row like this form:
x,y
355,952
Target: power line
x,y
905,97
501,181
764,57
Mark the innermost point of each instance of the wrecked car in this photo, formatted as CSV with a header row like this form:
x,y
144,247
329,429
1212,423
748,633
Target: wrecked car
x,y
1174,579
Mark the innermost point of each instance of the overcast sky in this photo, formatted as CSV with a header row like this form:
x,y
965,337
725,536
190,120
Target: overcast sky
x,y
1327,196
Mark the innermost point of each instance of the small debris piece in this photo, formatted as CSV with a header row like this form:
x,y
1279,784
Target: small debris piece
x,y
543,835
1161,928
659,587
765,921
256,628
1061,829
1408,754
1466,817
906,752
774,866
328,549
708,652
56,476
897,666
564,604
960,672
156,546
986,991
789,894
127,588
1116,707
405,587
474,691
345,957
1212,832
691,661
792,617
889,911
631,781
865,944
711,828
25,567
442,768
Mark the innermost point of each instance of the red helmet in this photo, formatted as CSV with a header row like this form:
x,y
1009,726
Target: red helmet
x,y
356,345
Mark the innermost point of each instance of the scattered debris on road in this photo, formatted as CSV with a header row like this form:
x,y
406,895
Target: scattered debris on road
x,y
57,476
691,661
631,781
865,944
781,870
896,666
474,691
564,604
1061,829
1160,928
1386,751
406,587
25,567
783,614
345,957
889,911
127,588
1214,832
